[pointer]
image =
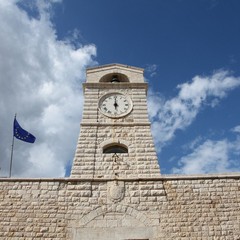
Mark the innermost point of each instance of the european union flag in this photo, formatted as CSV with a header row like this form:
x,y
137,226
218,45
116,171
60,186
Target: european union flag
x,y
22,134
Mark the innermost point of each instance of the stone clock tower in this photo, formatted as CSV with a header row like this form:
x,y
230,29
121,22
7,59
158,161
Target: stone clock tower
x,y
115,139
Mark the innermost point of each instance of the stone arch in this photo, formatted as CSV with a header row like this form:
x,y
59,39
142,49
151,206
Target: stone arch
x,y
108,77
113,141
115,148
115,209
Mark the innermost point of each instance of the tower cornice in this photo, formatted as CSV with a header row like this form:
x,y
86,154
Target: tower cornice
x,y
114,65
122,85
137,124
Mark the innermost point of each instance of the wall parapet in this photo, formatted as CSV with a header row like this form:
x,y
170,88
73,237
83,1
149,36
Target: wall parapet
x,y
169,207
162,178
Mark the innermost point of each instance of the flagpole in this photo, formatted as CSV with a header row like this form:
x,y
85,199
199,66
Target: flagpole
x,y
10,174
11,160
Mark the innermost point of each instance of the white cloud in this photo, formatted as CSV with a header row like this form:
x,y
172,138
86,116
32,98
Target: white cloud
x,y
168,116
211,157
236,129
155,101
193,144
40,80
151,69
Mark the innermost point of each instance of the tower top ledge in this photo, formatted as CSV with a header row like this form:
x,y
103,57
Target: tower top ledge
x,y
114,65
124,73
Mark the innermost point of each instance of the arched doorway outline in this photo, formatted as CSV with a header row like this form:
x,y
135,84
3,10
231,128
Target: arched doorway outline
x,y
115,209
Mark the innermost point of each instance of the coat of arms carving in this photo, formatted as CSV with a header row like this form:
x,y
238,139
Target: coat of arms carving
x,y
116,190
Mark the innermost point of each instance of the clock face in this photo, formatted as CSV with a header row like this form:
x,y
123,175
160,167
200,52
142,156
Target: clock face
x,y
115,105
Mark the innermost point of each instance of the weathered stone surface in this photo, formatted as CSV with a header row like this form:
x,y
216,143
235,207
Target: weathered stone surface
x,y
169,207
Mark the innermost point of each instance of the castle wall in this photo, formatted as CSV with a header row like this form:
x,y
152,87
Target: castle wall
x,y
170,207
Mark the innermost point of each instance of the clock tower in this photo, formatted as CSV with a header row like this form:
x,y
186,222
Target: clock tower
x,y
115,140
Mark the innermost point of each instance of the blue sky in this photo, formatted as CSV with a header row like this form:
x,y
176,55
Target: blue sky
x,y
182,38
191,56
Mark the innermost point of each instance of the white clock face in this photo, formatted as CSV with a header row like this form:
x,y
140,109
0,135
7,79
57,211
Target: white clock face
x,y
115,105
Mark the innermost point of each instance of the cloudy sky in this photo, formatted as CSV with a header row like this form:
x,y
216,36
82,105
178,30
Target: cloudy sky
x,y
191,55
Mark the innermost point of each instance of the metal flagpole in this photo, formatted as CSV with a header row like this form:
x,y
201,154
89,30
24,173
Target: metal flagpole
x,y
10,173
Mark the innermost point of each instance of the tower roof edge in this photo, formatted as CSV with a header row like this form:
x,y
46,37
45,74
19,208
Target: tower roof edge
x,y
89,69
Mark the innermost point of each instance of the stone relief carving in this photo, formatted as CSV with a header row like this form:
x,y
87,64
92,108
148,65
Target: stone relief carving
x,y
116,191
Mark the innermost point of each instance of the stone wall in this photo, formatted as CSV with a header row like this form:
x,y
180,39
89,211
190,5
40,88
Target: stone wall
x,y
170,207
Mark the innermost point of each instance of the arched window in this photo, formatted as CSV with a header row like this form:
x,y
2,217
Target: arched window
x,y
116,148
114,78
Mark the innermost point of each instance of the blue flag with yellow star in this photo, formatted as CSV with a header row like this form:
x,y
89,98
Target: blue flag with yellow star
x,y
22,134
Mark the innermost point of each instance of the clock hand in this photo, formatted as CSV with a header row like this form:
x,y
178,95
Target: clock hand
x,y
115,103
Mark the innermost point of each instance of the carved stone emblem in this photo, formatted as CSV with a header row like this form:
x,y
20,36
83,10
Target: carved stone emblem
x,y
116,191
